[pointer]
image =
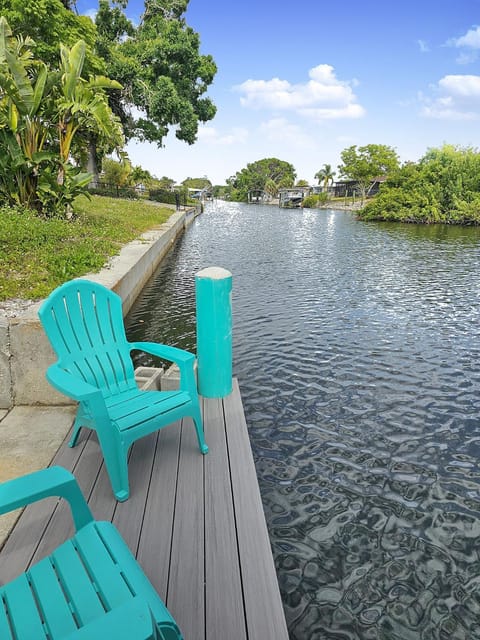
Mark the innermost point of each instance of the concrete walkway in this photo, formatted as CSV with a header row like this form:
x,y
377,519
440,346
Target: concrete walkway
x,y
30,437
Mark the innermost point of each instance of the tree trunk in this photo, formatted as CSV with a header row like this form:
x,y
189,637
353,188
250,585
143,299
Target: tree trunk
x,y
92,166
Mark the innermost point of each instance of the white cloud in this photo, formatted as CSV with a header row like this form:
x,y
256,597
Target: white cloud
x,y
349,111
424,48
210,135
470,40
455,97
466,86
324,96
469,44
281,130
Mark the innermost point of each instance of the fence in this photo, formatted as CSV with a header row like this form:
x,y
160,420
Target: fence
x,y
178,198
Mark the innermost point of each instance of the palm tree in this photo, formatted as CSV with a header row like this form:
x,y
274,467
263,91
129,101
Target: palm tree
x,y
325,175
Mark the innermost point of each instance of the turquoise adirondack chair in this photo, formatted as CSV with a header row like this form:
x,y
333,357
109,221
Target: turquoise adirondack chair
x,y
90,587
84,323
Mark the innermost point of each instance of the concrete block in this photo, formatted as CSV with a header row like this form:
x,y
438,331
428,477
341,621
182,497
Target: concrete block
x,y
31,356
149,378
171,379
5,374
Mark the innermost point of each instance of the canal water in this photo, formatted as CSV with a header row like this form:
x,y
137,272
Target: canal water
x,y
357,349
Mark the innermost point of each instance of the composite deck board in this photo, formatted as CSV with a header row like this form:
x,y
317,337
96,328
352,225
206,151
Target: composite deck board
x,y
262,602
194,522
224,615
156,537
186,599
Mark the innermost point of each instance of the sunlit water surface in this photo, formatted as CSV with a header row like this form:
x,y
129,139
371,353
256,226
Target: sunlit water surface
x,y
357,350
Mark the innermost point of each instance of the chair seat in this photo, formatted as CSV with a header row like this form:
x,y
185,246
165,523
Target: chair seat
x,y
134,408
86,578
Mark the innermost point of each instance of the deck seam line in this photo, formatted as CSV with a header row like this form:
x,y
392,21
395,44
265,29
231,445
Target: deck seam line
x,y
174,511
234,505
157,436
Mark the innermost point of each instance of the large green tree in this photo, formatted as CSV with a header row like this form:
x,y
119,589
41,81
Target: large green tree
x,y
159,64
364,164
51,23
261,175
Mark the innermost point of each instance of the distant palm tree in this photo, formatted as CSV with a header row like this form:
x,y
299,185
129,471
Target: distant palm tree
x,y
325,175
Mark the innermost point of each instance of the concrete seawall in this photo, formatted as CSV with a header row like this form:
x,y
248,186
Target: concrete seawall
x,y
25,352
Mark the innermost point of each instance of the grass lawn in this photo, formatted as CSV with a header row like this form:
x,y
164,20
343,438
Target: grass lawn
x,y
36,254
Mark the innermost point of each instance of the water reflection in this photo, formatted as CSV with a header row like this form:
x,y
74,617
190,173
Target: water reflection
x,y
357,347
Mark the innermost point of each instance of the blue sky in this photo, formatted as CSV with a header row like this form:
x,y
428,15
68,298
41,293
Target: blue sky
x,y
303,81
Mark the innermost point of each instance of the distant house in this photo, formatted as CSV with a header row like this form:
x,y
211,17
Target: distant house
x,y
319,188
349,188
258,196
293,196
200,194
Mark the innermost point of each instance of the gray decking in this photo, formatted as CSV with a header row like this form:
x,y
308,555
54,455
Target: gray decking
x,y
195,523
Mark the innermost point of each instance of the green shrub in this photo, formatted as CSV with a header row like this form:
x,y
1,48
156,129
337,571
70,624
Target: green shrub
x,y
397,204
316,200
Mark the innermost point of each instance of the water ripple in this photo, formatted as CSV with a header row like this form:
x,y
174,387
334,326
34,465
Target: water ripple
x,y
357,350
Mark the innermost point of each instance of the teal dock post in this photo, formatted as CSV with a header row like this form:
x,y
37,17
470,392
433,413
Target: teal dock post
x,y
213,288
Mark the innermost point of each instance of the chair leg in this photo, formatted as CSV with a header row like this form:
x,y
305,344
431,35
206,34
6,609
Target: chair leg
x,y
116,462
77,425
198,422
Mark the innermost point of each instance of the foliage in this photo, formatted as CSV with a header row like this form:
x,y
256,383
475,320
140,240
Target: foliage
x,y
197,183
36,254
41,111
160,67
177,197
50,23
257,175
164,183
271,188
138,175
116,173
366,163
315,201
301,183
444,186
221,191
325,175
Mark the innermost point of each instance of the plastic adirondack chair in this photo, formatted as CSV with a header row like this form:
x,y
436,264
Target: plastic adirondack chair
x,y
90,587
84,323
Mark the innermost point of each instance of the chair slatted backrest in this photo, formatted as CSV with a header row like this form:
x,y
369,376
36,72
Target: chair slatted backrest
x,y
84,324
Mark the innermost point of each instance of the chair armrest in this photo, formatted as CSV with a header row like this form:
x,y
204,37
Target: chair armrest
x,y
70,385
129,621
184,359
46,483
179,356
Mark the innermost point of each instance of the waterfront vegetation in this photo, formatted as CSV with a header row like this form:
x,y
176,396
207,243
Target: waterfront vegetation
x,y
60,115
37,254
444,187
